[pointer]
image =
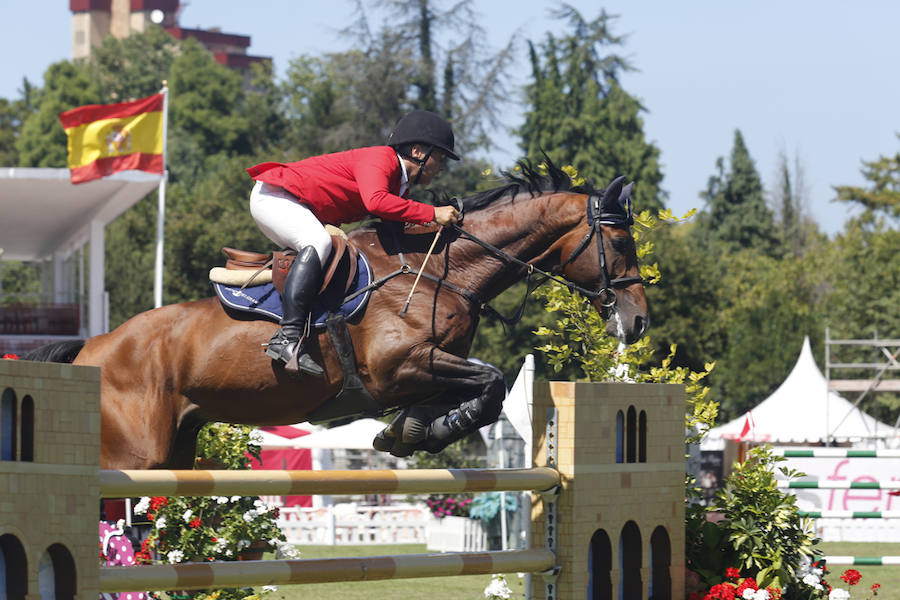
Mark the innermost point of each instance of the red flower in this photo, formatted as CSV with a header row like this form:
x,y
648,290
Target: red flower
x,y
11,356
732,573
747,584
157,501
774,593
851,576
195,523
874,588
720,591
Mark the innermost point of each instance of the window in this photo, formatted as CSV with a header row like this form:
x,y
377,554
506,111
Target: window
x,y
642,437
630,562
13,568
8,425
600,565
620,437
660,560
26,433
58,577
631,435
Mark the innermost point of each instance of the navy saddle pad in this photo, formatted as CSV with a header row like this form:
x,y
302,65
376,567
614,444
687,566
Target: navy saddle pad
x,y
266,301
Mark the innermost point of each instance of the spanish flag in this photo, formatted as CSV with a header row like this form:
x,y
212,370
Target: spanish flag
x,y
105,138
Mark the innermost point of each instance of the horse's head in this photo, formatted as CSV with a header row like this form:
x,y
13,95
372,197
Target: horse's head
x,y
603,261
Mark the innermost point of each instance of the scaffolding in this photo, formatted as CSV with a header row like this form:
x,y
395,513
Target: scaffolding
x,y
885,362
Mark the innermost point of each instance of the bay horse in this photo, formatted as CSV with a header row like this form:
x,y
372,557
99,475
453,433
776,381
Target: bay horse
x,y
168,371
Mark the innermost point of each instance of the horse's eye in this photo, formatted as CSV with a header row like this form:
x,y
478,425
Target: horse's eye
x,y
620,244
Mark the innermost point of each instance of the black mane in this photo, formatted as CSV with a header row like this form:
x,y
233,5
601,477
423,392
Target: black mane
x,y
528,179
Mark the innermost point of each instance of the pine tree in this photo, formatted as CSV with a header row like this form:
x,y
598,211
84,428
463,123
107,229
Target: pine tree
x,y
579,114
736,214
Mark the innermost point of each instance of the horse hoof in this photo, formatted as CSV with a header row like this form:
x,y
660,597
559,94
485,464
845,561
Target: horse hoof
x,y
415,426
382,443
401,450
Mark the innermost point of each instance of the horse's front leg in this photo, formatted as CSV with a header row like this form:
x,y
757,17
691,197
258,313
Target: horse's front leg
x,y
476,390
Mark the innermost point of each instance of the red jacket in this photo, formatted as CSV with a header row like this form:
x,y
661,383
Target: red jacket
x,y
345,187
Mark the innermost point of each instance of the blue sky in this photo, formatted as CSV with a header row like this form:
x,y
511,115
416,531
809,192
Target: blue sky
x,y
816,80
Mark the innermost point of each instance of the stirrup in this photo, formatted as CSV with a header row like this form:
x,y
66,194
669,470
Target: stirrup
x,y
280,347
300,361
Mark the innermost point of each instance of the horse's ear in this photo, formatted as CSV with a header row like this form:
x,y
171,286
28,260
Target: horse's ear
x,y
610,201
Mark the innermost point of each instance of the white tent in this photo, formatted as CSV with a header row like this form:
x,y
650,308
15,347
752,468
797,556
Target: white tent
x,y
354,435
802,409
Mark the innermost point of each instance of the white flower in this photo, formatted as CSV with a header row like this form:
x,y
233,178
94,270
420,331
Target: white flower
x,y
160,522
270,588
243,544
175,556
222,499
839,594
250,515
261,506
810,579
142,505
748,594
187,515
235,498
497,589
760,595
286,550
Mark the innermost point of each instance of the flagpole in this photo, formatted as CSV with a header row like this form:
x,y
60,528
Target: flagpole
x,y
161,212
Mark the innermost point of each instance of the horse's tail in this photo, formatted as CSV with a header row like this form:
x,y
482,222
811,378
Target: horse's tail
x,y
57,352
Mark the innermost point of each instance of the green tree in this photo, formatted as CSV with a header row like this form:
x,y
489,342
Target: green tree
x,y
133,67
736,214
579,114
12,116
685,304
766,306
882,197
42,142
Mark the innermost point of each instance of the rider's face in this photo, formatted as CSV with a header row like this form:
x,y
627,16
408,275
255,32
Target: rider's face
x,y
433,166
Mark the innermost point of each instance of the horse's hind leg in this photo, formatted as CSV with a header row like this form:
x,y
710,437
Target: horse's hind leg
x,y
184,446
481,386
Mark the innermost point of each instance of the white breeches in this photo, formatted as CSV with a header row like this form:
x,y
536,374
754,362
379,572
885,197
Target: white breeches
x,y
286,221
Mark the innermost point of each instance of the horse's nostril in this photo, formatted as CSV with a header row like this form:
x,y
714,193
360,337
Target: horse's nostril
x,y
641,325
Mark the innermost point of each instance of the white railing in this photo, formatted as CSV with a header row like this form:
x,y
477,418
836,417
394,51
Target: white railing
x,y
456,534
351,524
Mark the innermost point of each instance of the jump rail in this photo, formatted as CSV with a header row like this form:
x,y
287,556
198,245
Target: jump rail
x,y
129,484
837,453
841,485
193,576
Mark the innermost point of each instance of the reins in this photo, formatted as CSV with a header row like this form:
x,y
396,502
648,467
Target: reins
x,y
605,294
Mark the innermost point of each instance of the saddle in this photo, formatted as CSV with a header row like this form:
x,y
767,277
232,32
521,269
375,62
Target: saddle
x,y
244,267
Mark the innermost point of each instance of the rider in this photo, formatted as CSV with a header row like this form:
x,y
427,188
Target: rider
x,y
291,201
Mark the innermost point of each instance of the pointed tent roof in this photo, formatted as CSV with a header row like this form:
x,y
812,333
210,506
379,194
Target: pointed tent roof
x,y
803,409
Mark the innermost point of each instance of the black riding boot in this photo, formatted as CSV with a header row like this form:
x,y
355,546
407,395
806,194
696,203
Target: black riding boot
x,y
300,289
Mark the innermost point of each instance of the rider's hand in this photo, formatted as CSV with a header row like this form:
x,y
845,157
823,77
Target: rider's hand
x,y
446,215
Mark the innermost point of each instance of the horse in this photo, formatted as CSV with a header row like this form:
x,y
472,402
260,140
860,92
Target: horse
x,y
168,371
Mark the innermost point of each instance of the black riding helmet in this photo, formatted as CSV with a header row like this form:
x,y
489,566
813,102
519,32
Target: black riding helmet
x,y
423,127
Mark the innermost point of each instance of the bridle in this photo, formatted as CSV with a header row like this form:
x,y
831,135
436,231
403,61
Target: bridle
x,y
606,294
596,217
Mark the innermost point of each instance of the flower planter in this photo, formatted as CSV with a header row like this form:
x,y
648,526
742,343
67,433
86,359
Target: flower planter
x,y
254,552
